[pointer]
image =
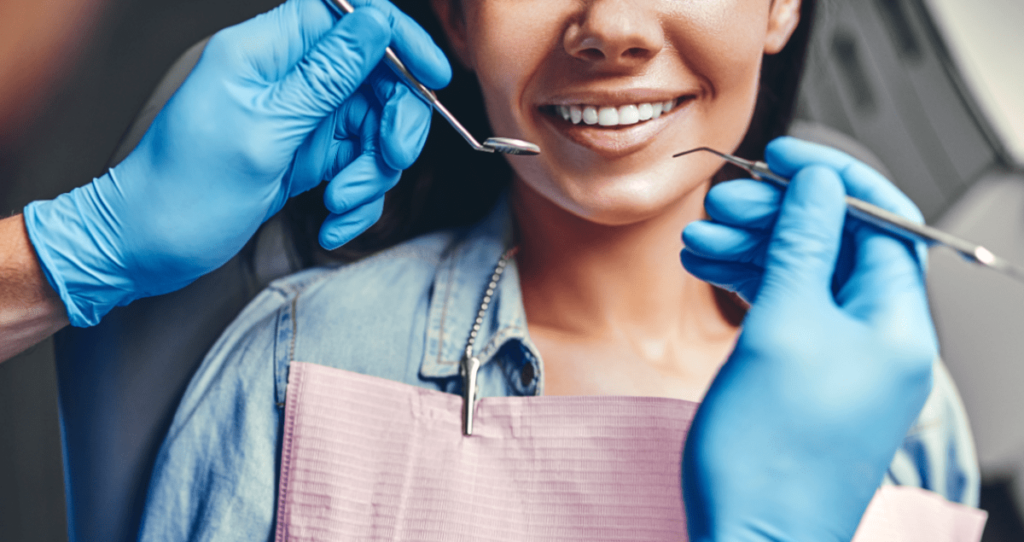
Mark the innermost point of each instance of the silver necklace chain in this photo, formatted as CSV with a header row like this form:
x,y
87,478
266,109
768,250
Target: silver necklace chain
x,y
470,363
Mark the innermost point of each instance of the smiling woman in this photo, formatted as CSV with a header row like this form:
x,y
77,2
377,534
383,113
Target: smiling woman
x,y
593,300
444,189
680,69
699,61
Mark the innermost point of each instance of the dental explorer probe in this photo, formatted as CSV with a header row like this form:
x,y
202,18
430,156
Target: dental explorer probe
x,y
503,145
884,219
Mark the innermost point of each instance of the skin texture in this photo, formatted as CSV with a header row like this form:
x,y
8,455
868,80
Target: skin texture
x,y
30,310
600,211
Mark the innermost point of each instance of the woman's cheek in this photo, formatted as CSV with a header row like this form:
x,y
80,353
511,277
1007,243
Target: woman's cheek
x,y
507,57
721,41
509,43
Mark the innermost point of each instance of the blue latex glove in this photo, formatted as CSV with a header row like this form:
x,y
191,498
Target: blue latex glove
x,y
834,361
275,105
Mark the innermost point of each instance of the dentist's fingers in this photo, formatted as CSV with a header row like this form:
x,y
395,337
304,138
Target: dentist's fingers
x,y
368,176
273,43
331,72
405,119
355,196
745,203
362,181
328,148
306,22
788,154
742,278
340,229
804,247
721,242
412,44
886,282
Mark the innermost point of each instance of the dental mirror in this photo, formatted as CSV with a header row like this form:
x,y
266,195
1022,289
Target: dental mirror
x,y
507,145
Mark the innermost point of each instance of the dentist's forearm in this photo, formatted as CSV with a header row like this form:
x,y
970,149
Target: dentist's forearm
x,y
30,310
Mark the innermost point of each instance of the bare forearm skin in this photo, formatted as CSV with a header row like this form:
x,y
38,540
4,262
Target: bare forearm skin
x,y
30,310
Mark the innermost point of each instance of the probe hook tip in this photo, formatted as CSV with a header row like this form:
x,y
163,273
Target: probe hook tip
x,y
677,155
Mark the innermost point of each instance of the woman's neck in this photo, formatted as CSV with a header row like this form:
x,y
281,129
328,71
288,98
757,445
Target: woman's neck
x,y
587,280
584,278
611,309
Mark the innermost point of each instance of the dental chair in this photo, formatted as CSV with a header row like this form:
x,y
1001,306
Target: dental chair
x,y
120,382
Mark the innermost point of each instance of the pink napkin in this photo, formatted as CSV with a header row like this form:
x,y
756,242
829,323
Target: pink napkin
x,y
912,514
371,459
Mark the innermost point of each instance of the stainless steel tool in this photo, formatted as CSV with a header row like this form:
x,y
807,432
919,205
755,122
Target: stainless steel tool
x,y
503,145
884,219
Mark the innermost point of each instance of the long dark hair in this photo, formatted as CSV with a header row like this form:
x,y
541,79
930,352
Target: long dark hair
x,y
453,186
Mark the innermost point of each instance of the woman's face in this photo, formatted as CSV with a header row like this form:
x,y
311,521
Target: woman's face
x,y
639,81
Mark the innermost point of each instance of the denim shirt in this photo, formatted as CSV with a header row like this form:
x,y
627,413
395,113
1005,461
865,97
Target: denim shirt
x,y
404,314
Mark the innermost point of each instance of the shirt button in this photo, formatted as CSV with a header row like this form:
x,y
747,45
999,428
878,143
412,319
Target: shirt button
x,y
526,376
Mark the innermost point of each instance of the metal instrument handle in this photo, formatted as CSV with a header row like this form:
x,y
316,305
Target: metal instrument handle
x,y
427,94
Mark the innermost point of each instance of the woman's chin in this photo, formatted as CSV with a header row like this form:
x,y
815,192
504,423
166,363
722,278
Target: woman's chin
x,y
616,191
619,202
623,212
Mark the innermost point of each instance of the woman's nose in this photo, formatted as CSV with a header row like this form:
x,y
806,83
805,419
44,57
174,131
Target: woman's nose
x,y
615,33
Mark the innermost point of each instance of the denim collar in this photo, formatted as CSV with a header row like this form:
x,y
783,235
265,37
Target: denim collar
x,y
462,278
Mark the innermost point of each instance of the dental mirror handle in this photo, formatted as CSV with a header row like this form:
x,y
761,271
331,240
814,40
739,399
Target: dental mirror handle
x,y
426,93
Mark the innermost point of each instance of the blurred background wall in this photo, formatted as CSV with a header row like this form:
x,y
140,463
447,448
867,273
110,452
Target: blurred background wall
x,y
927,86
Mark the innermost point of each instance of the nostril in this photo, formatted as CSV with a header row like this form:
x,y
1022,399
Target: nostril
x,y
636,52
592,54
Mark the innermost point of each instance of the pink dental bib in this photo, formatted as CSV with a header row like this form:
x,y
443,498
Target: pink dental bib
x,y
370,459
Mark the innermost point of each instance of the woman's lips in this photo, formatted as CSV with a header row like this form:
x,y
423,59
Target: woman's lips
x,y
614,131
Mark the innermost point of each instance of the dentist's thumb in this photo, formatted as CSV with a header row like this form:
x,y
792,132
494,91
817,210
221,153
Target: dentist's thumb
x,y
805,242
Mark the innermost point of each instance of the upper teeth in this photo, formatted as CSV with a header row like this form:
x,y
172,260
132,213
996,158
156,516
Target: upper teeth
x,y
614,116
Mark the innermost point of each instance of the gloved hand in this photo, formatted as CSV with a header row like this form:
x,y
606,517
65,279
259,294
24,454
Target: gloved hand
x,y
275,105
834,361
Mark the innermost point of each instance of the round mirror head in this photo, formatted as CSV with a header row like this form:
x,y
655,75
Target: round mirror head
x,y
507,145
